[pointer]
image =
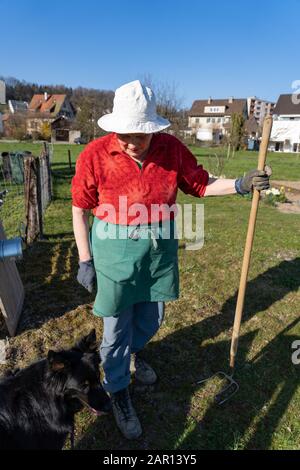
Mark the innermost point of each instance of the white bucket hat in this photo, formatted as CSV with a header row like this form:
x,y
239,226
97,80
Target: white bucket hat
x,y
134,111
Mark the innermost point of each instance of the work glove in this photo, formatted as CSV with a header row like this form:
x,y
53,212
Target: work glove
x,y
86,275
258,179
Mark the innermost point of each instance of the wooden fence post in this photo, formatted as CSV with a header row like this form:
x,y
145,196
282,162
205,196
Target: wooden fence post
x,y
39,198
34,224
38,193
70,159
46,154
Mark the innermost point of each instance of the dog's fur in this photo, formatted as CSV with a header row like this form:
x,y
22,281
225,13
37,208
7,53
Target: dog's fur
x,y
38,404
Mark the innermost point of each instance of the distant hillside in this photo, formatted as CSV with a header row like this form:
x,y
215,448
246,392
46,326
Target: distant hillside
x,y
89,103
23,91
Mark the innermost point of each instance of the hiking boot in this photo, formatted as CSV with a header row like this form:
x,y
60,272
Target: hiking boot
x,y
125,415
143,372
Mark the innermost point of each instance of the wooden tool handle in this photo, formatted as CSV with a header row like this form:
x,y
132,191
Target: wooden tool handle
x,y
249,242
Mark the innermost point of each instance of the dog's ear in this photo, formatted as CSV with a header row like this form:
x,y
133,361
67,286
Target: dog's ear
x,y
88,344
56,361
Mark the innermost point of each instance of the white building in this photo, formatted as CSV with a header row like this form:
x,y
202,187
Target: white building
x,y
285,136
211,119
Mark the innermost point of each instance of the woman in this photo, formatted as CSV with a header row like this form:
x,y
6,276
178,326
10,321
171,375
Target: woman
x,y
122,177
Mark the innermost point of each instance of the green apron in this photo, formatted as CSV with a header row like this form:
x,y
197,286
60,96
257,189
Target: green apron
x,y
133,264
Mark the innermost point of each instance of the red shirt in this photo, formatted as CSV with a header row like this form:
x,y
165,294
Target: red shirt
x,y
104,172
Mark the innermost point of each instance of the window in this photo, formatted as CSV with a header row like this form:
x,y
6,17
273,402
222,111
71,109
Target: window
x,y
219,120
213,120
207,119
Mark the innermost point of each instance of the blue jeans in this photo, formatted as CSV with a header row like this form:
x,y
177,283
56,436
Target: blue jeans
x,y
126,334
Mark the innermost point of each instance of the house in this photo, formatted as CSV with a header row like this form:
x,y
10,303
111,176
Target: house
x,y
17,106
61,130
285,135
46,108
211,119
259,109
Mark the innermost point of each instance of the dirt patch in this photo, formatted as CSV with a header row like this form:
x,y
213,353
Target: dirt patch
x,y
286,255
293,186
292,206
292,192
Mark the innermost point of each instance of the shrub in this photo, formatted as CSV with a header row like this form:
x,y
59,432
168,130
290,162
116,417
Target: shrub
x,y
274,196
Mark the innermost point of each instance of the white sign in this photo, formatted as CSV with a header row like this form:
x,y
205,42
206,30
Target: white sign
x,y
214,109
296,354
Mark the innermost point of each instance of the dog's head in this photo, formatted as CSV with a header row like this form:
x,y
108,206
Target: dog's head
x,y
74,373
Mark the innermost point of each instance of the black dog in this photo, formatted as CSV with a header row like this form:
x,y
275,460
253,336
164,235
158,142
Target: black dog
x,y
38,404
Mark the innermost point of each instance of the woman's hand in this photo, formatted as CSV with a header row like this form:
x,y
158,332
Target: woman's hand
x,y
86,272
86,275
256,179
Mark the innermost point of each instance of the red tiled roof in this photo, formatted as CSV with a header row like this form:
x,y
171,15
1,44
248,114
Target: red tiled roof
x,y
52,105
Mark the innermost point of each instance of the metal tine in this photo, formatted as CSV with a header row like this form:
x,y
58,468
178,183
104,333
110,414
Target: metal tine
x,y
220,372
232,383
209,378
228,395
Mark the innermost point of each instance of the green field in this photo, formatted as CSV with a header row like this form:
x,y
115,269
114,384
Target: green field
x,y
194,340
285,166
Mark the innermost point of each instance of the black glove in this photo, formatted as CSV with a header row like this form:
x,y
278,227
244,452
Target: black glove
x,y
254,179
86,274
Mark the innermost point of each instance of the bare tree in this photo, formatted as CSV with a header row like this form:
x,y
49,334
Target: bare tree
x,y
236,130
90,105
15,126
169,104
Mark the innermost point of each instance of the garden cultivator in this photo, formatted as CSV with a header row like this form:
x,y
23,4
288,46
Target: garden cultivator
x,y
232,386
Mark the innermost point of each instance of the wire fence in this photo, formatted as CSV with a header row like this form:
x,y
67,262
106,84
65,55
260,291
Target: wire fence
x,y
25,192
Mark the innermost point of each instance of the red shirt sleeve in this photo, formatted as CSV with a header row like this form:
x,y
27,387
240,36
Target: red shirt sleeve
x,y
193,179
84,187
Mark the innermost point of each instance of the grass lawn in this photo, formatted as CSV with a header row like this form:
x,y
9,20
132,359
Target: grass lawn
x,y
194,340
285,166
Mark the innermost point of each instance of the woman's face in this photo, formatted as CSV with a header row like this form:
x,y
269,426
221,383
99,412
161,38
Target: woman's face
x,y
135,145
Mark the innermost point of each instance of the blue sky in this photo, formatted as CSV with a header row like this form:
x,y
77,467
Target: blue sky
x,y
206,48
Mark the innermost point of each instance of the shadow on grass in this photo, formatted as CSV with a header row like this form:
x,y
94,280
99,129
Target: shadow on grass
x,y
58,236
62,164
248,421
177,414
63,173
48,272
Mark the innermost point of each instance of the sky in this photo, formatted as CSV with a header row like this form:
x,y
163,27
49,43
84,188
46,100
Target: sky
x,y
201,48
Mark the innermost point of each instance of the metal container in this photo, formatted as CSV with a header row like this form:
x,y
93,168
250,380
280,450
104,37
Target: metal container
x,y
11,248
